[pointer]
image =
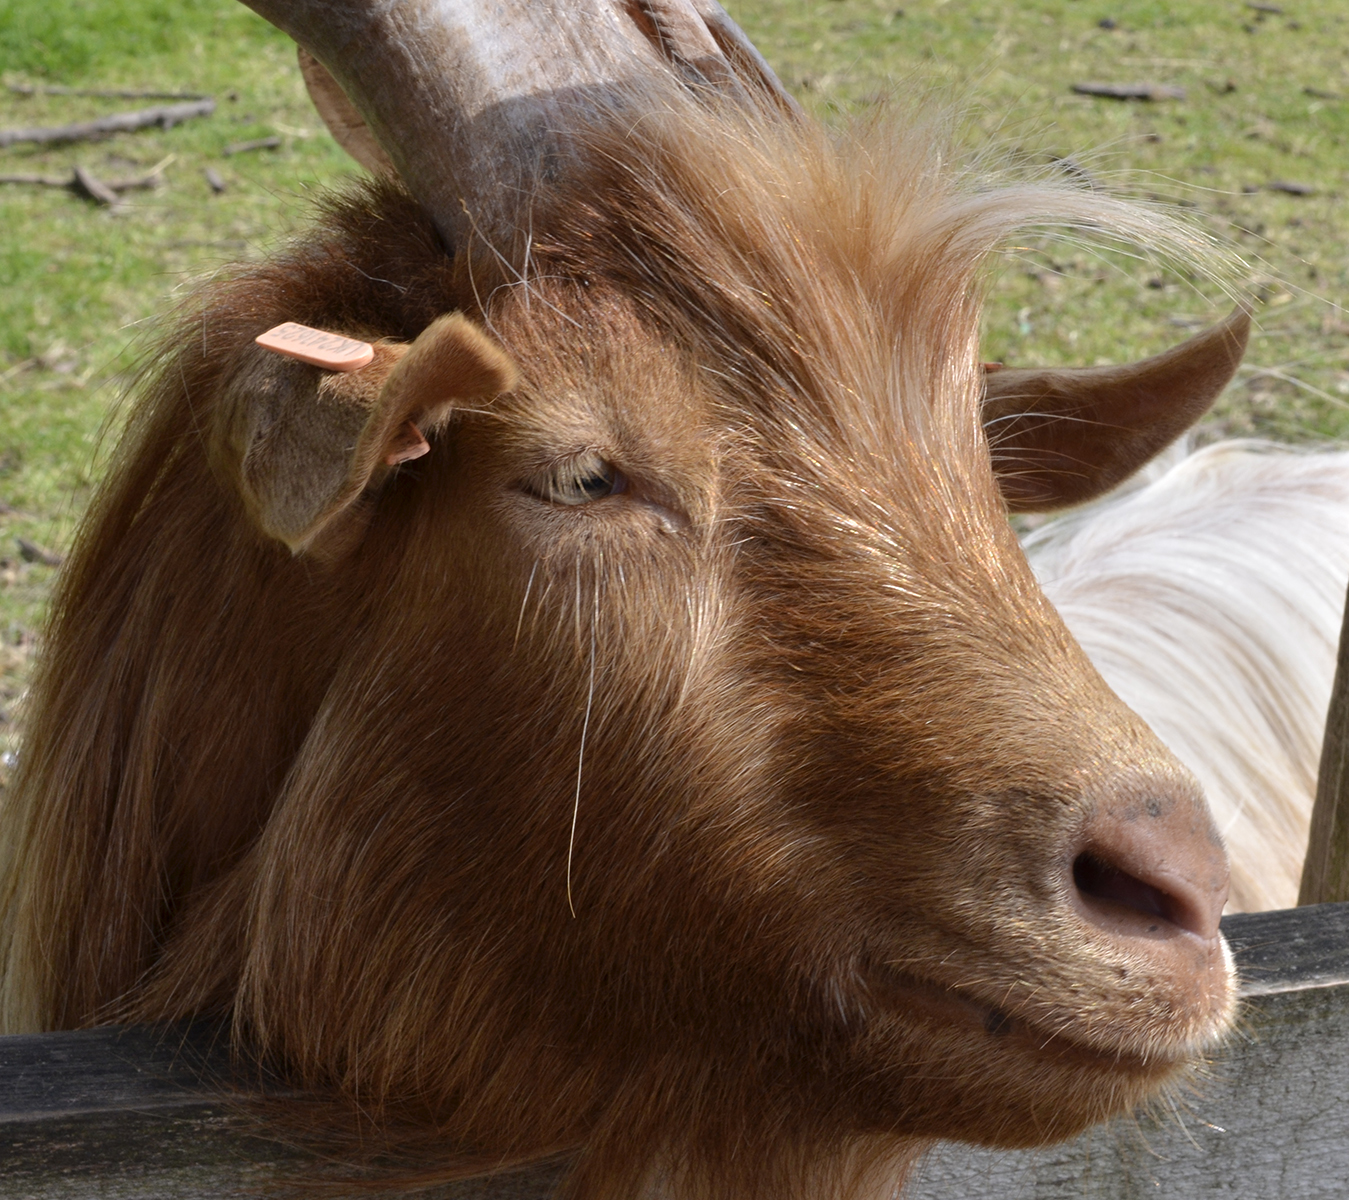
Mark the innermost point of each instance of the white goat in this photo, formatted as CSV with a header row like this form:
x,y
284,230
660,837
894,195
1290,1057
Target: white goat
x,y
1210,599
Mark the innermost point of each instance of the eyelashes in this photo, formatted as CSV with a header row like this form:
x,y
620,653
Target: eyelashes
x,y
577,481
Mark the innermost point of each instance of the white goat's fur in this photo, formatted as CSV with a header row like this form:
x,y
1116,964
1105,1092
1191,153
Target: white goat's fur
x,y
1210,599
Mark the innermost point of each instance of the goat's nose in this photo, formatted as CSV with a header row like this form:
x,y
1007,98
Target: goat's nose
x,y
1150,867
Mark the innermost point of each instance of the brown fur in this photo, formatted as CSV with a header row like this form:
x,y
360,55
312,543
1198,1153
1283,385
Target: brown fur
x,y
832,744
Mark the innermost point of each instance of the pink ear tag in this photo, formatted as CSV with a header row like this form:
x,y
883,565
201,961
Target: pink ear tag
x,y
407,444
331,351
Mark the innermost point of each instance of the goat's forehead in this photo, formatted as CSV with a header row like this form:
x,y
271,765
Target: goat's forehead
x,y
863,393
594,375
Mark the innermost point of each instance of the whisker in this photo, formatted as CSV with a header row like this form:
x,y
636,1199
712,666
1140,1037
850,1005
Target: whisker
x,y
581,757
519,624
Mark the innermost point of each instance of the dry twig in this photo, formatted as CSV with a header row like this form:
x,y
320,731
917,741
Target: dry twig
x,y
267,143
165,116
93,187
79,181
51,89
1289,188
31,552
39,180
1131,91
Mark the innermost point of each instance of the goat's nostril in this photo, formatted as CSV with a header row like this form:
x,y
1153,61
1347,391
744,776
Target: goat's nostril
x,y
1149,866
1099,880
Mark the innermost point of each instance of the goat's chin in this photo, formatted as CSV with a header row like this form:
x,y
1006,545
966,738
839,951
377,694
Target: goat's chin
x,y
871,1167
974,1072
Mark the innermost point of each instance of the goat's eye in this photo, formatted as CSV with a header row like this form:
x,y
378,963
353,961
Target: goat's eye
x,y
580,481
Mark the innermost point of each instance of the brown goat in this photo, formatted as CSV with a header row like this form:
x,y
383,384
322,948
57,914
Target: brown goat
x,y
678,767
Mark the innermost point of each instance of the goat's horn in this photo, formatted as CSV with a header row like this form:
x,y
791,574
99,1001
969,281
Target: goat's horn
x,y
472,99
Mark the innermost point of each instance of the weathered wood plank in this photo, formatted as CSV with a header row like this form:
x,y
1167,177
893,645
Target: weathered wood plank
x,y
1325,870
117,1114
100,1070
122,1113
1291,948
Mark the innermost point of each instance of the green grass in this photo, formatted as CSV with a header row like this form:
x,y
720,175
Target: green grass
x,y
1267,100
82,289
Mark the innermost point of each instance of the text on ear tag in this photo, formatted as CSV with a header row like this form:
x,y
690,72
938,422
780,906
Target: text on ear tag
x,y
331,351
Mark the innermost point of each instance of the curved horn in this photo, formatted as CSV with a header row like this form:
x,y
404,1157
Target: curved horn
x,y
346,125
1063,436
472,99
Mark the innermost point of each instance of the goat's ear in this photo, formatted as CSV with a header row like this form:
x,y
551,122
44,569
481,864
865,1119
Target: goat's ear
x,y
304,445
346,125
1060,437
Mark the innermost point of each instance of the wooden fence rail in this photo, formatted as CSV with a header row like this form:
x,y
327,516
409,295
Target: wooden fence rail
x,y
121,1113
1325,871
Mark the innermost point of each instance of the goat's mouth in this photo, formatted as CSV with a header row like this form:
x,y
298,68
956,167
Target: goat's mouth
x,y
899,990
943,1061
953,1007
